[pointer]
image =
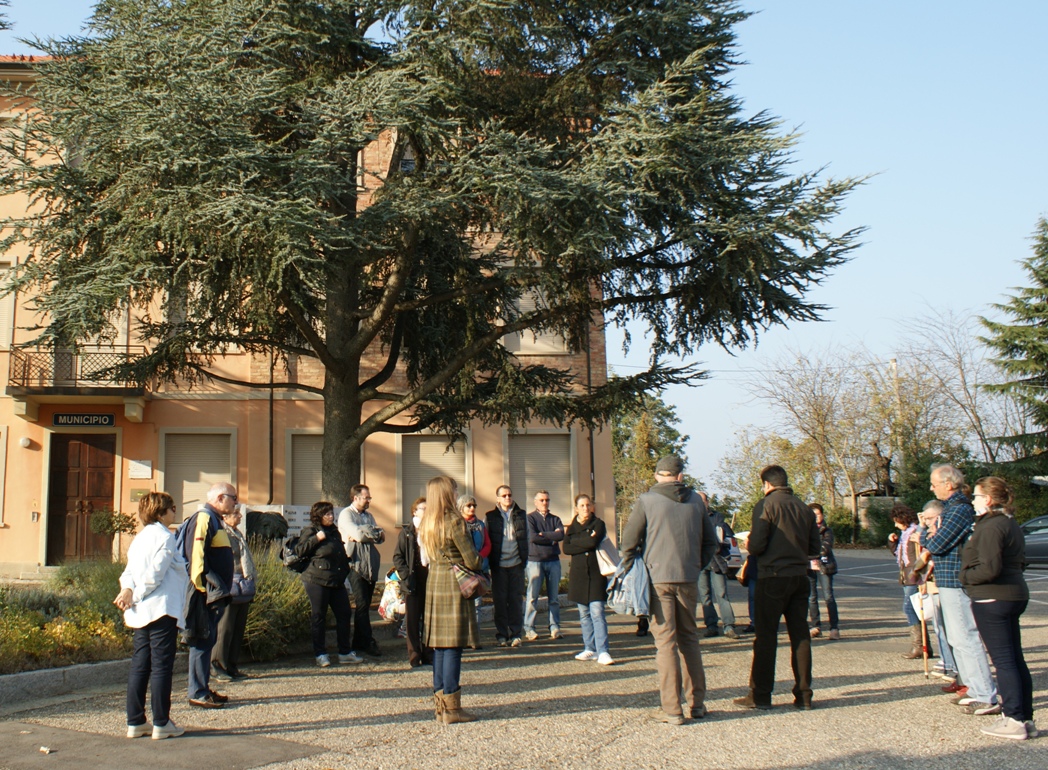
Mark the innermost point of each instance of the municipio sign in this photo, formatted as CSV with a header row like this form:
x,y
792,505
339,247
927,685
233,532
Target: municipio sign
x,y
87,420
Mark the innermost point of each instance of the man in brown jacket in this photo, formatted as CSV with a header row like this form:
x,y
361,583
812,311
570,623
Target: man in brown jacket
x,y
783,539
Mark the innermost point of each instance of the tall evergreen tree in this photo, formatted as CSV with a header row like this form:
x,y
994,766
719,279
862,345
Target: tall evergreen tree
x,y
1021,353
197,162
640,434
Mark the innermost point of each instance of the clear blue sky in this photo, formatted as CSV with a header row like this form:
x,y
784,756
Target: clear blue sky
x,y
943,101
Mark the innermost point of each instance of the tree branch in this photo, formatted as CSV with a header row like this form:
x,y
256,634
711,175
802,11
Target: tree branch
x,y
254,385
319,346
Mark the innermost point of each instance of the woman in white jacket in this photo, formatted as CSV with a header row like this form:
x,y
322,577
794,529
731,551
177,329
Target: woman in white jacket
x,y
152,596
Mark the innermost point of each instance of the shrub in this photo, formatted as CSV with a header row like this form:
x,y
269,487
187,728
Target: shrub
x,y
71,620
279,615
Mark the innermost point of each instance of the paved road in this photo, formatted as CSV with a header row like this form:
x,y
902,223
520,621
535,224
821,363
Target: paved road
x,y
540,708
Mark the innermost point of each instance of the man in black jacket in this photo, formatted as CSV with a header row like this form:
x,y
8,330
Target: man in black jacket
x,y
508,530
784,539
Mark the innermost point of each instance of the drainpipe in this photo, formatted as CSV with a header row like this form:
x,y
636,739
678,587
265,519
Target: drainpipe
x,y
272,364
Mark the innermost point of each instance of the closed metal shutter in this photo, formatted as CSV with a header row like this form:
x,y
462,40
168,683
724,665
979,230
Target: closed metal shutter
x,y
422,458
192,463
7,309
541,461
306,486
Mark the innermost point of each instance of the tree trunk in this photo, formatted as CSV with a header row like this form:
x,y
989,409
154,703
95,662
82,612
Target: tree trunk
x,y
341,459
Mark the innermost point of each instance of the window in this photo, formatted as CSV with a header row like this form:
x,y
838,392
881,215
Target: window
x,y
7,309
422,458
305,475
192,463
529,342
542,461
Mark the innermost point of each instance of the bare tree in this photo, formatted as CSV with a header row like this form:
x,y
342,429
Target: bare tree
x,y
944,347
825,404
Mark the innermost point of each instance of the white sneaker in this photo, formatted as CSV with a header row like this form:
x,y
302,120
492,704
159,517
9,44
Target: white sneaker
x,y
605,660
139,731
323,661
1006,727
170,730
349,657
586,655
530,635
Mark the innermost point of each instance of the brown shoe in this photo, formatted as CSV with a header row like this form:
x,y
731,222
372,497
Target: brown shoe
x,y
747,702
207,702
453,709
219,697
815,632
438,705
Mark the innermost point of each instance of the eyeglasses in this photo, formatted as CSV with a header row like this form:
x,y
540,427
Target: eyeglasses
x,y
978,494
234,498
505,496
470,505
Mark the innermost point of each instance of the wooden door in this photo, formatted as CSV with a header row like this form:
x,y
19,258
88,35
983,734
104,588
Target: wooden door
x,y
83,469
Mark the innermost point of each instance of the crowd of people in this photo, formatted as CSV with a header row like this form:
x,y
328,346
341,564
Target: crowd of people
x,y
960,565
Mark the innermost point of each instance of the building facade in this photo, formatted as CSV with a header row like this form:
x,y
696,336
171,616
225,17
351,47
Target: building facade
x,y
73,445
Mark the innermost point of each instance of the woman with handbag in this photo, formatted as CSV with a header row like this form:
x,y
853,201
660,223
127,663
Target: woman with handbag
x,y
325,583
450,621
587,587
906,546
226,655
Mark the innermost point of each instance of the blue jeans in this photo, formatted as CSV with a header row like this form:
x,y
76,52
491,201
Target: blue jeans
x,y
447,669
539,571
945,653
907,605
968,652
152,665
815,580
714,587
998,623
594,627
200,657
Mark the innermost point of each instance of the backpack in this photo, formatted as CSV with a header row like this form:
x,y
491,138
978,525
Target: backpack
x,y
292,560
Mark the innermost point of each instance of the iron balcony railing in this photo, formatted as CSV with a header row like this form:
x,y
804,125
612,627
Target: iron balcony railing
x,y
87,366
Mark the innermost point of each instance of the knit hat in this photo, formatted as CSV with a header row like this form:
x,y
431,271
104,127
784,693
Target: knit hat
x,y
670,465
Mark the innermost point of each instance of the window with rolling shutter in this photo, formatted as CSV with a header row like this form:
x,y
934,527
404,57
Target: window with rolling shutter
x,y
7,310
528,341
192,463
422,458
306,486
541,461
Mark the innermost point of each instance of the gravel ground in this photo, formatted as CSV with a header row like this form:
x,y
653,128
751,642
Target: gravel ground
x,y
540,708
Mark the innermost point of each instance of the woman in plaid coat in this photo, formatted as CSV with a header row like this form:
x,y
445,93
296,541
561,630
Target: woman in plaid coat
x,y
449,619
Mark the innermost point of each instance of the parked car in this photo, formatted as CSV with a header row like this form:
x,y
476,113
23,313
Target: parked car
x,y
734,557
1036,533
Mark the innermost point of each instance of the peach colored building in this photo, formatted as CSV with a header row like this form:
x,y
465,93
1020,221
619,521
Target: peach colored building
x,y
72,444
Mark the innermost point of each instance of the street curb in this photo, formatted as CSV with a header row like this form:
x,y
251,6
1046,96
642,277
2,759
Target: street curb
x,y
82,677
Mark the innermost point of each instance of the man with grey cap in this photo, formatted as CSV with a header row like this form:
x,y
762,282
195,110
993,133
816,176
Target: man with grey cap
x,y
670,529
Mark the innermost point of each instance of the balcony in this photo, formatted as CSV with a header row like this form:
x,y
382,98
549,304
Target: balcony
x,y
82,375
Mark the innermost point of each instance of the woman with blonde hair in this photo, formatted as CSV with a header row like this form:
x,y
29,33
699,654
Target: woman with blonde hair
x,y
450,623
